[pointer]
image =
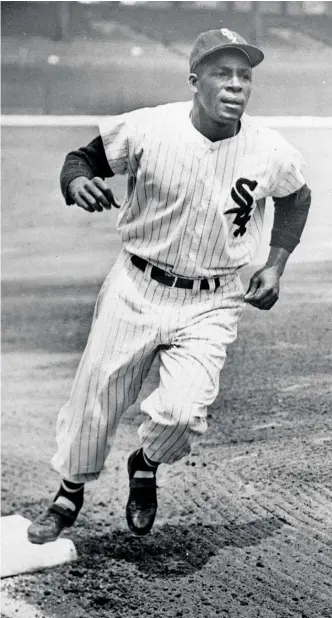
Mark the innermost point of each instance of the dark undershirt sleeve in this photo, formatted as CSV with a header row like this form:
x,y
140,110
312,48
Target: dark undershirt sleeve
x,y
88,161
290,216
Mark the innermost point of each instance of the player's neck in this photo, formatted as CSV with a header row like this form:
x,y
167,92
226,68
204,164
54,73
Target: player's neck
x,y
214,131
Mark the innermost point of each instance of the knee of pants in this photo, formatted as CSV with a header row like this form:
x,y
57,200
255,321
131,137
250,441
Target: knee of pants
x,y
176,415
191,420
169,440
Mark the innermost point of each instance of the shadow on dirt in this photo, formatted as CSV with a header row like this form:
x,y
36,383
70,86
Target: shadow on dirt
x,y
172,551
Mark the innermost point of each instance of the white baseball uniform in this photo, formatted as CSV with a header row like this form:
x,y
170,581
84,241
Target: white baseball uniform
x,y
193,208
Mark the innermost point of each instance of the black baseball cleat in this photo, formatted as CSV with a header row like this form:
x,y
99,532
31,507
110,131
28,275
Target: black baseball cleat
x,y
142,503
49,525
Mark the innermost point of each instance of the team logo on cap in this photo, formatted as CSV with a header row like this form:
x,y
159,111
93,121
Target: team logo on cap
x,y
229,35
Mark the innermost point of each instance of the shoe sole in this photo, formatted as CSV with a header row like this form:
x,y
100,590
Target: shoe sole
x,y
42,540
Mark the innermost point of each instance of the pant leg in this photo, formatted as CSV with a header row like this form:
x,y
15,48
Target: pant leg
x,y
189,383
120,350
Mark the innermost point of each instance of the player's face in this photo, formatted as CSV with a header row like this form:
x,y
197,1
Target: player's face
x,y
222,85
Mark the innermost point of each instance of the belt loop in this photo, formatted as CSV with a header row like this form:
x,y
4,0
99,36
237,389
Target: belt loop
x,y
147,271
196,286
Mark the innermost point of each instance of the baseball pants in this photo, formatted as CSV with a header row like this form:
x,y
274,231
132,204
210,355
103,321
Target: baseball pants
x,y
135,319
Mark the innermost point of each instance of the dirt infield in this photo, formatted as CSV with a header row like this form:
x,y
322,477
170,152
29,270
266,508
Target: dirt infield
x,y
244,523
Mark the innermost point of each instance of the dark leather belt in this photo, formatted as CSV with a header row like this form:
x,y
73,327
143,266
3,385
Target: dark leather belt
x,y
170,280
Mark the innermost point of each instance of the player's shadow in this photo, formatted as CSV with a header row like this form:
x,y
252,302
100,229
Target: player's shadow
x,y
175,550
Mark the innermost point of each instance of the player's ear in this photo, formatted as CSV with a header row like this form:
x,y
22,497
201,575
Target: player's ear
x,y
192,81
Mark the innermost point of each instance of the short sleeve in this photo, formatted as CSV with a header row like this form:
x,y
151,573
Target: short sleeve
x,y
115,134
287,175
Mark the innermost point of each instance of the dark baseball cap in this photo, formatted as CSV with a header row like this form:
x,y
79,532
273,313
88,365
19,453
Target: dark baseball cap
x,y
214,40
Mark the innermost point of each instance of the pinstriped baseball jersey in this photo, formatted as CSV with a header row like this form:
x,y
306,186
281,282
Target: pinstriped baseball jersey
x,y
195,207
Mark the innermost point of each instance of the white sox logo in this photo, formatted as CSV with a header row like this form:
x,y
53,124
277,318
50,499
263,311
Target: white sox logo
x,y
229,35
245,200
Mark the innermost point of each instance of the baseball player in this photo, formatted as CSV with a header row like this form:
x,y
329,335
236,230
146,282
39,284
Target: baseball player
x,y
198,174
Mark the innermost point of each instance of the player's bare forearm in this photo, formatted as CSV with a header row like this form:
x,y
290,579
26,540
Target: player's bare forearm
x,y
277,259
263,291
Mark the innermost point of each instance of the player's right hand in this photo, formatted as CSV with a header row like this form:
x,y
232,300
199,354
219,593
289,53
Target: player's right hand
x,y
92,195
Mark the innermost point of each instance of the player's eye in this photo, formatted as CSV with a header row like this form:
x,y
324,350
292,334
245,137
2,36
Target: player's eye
x,y
219,70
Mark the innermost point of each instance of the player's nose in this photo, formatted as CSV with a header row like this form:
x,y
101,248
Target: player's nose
x,y
234,84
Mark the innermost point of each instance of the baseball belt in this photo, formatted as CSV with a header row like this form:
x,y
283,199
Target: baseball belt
x,y
170,280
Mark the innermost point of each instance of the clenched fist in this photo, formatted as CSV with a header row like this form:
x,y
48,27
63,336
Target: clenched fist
x,y
92,195
263,291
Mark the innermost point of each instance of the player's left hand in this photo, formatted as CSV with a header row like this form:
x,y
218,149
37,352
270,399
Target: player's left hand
x,y
263,290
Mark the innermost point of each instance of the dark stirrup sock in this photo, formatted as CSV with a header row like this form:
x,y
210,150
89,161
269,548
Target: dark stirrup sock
x,y
149,462
143,466
70,486
70,495
142,462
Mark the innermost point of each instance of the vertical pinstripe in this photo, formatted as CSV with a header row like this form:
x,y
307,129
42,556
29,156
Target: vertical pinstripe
x,y
174,215
190,335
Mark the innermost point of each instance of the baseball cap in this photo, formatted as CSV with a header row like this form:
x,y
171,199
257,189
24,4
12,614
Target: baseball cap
x,y
213,40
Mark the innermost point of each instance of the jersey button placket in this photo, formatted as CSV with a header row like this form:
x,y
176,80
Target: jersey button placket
x,y
189,238
196,215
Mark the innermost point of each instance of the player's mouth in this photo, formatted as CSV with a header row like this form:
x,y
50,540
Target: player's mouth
x,y
235,104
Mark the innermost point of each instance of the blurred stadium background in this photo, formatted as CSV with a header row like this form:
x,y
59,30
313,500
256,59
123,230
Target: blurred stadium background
x,y
75,58
95,58
109,57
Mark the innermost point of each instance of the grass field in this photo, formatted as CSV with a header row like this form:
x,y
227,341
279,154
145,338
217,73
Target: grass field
x,y
244,523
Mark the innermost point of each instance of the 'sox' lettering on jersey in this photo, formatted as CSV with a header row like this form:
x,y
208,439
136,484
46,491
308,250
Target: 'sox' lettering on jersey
x,y
245,201
180,184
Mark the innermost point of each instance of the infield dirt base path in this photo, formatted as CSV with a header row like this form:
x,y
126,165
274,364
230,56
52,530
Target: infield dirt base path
x,y
244,523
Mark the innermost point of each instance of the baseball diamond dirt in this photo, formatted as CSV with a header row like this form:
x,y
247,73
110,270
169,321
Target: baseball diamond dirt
x,y
244,523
